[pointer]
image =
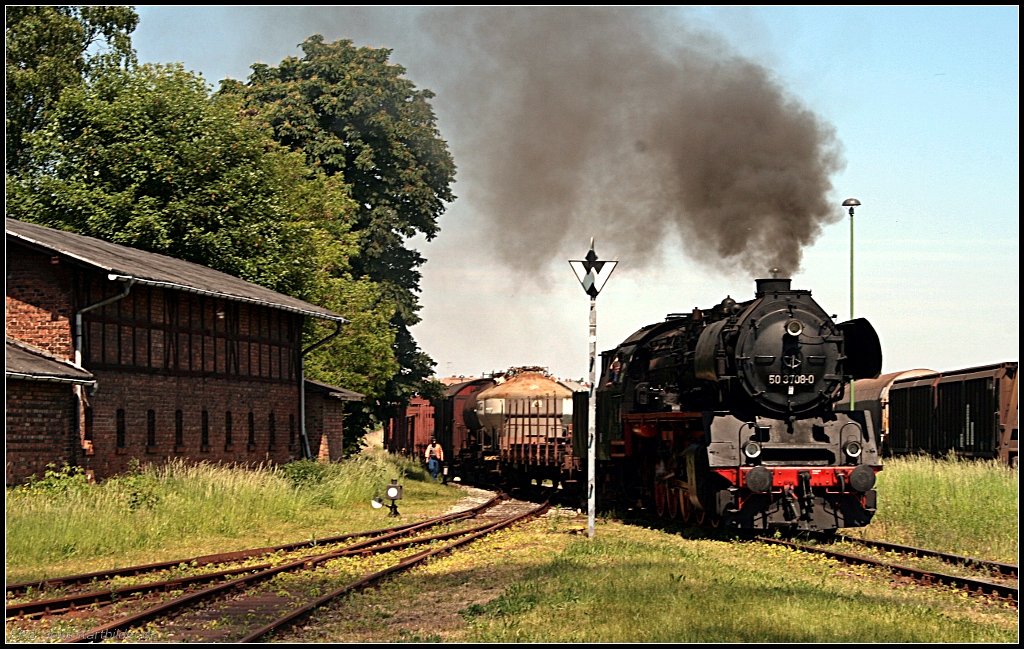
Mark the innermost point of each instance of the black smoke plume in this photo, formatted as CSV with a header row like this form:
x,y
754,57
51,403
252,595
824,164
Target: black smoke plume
x,y
625,124
622,123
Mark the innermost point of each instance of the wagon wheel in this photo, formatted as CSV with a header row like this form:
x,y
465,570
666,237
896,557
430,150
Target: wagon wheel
x,y
660,498
673,503
685,508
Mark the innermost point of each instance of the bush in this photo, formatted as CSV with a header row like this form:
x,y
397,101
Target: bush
x,y
57,482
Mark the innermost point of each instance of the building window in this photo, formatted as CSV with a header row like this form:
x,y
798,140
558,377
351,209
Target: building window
x,y
228,441
88,424
204,439
179,428
122,433
151,428
252,431
272,432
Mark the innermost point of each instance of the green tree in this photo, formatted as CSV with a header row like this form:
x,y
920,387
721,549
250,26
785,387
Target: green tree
x,y
354,115
50,48
148,159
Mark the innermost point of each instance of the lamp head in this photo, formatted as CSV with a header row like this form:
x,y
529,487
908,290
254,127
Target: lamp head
x,y
851,203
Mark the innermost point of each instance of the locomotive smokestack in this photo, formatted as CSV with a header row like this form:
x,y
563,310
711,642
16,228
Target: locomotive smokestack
x,y
773,285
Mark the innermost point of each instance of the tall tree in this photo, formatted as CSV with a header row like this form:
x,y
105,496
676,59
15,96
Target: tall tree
x,y
355,115
50,48
148,159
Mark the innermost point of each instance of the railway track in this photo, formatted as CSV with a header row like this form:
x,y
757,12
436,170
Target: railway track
x,y
252,600
979,577
1006,588
994,567
51,583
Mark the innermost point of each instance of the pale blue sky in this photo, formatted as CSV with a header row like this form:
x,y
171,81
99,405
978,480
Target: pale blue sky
x,y
924,101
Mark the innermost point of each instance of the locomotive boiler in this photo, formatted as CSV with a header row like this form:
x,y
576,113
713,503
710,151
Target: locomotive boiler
x,y
727,415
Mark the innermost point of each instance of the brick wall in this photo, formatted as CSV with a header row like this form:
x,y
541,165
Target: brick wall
x,y
40,428
150,429
39,301
161,360
324,421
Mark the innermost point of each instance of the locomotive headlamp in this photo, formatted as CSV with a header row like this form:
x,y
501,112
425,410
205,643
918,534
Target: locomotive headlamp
x,y
794,328
852,449
752,449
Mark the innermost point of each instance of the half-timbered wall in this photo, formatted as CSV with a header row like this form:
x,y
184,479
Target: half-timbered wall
x,y
178,374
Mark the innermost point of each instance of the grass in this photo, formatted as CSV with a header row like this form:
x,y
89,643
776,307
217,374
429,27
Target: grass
x,y
543,581
959,506
635,585
63,524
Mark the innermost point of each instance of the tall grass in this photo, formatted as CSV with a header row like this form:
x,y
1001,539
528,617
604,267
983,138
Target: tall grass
x,y
179,507
64,524
967,507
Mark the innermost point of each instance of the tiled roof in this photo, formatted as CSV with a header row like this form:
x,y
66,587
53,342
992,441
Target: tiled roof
x,y
24,361
123,263
334,391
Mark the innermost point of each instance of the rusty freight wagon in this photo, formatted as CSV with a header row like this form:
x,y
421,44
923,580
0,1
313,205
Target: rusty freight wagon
x,y
409,432
528,414
469,451
970,412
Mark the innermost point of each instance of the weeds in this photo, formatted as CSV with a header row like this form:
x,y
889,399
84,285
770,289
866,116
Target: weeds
x,y
180,508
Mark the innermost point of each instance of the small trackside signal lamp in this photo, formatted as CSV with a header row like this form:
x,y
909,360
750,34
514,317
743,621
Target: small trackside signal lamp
x,y
393,492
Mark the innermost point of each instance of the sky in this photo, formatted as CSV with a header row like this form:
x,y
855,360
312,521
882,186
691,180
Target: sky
x,y
699,147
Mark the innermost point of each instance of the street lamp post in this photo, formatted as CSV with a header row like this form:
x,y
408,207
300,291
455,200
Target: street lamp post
x,y
851,203
592,274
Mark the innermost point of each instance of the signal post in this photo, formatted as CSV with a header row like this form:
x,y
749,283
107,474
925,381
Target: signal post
x,y
592,274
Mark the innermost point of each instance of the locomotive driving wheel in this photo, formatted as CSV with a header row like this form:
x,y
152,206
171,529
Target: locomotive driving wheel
x,y
685,508
660,498
673,502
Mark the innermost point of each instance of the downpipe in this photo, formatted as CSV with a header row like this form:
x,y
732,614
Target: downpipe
x,y
79,343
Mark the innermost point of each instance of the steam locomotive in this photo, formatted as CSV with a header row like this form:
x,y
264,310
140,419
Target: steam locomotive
x,y
727,415
722,416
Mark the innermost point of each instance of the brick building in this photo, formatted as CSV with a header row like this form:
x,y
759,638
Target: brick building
x,y
116,355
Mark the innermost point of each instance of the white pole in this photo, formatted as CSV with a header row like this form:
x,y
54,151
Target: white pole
x,y
592,420
592,274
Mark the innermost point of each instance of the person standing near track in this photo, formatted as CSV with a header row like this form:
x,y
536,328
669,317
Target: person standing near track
x,y
434,456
